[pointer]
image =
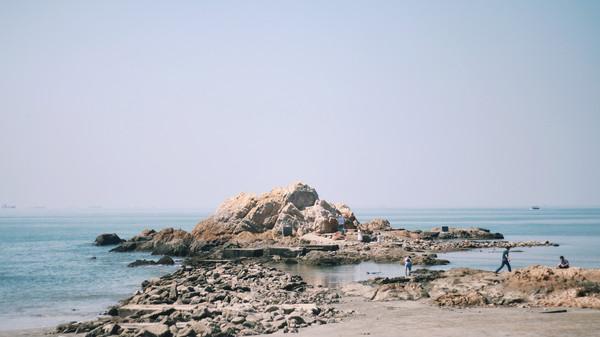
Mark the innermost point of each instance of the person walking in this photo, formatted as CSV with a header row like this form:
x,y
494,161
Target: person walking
x,y
505,260
407,265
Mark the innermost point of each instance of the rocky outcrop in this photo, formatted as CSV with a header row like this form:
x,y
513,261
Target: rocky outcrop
x,y
532,286
216,299
297,207
351,254
376,225
165,260
168,241
473,233
108,239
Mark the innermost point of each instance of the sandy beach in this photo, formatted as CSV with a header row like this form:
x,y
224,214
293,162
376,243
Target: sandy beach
x,y
395,318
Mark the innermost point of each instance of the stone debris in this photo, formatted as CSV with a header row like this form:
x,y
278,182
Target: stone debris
x,y
217,299
536,286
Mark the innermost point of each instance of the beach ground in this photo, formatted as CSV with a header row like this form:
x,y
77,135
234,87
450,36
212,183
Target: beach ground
x,y
419,319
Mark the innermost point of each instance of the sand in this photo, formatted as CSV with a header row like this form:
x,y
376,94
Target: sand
x,y
418,319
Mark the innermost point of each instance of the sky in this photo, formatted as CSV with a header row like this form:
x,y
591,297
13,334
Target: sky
x,y
140,104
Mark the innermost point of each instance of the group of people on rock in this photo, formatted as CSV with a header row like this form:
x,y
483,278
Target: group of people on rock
x,y
563,264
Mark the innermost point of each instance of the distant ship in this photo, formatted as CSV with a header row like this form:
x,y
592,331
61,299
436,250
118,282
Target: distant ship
x,y
534,208
8,206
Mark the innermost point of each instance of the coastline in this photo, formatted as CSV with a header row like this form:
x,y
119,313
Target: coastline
x,y
106,257
389,319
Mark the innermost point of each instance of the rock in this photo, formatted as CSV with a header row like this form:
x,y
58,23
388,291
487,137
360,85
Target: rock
x,y
320,218
473,233
138,263
108,239
301,195
127,246
296,206
228,299
169,241
166,260
113,311
160,330
376,225
200,328
111,329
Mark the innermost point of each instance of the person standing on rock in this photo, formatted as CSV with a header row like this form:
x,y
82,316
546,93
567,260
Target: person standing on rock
x,y
341,224
407,265
505,260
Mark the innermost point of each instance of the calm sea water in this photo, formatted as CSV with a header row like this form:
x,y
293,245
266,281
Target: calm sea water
x,y
47,275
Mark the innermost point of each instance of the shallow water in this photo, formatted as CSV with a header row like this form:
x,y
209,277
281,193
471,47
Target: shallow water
x,y
47,275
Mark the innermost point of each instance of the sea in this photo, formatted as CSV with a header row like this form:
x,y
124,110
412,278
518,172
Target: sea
x,y
51,272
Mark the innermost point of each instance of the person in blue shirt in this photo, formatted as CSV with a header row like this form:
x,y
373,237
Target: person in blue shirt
x,y
341,224
505,260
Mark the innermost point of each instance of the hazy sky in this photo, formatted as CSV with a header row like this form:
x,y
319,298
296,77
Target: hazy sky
x,y
374,103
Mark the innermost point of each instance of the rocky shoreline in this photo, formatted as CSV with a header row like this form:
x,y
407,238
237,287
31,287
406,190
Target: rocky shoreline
x,y
216,299
534,286
286,224
227,286
225,298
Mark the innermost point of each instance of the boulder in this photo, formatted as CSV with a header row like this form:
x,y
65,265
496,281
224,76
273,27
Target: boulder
x,y
376,225
320,218
296,206
301,195
169,241
160,330
166,260
108,239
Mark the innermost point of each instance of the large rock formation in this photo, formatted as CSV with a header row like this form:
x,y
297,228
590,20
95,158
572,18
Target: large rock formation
x,y
297,206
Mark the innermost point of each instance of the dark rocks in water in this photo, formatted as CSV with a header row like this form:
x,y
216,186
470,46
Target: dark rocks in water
x,y
113,311
165,260
127,246
431,260
138,263
107,239
169,241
